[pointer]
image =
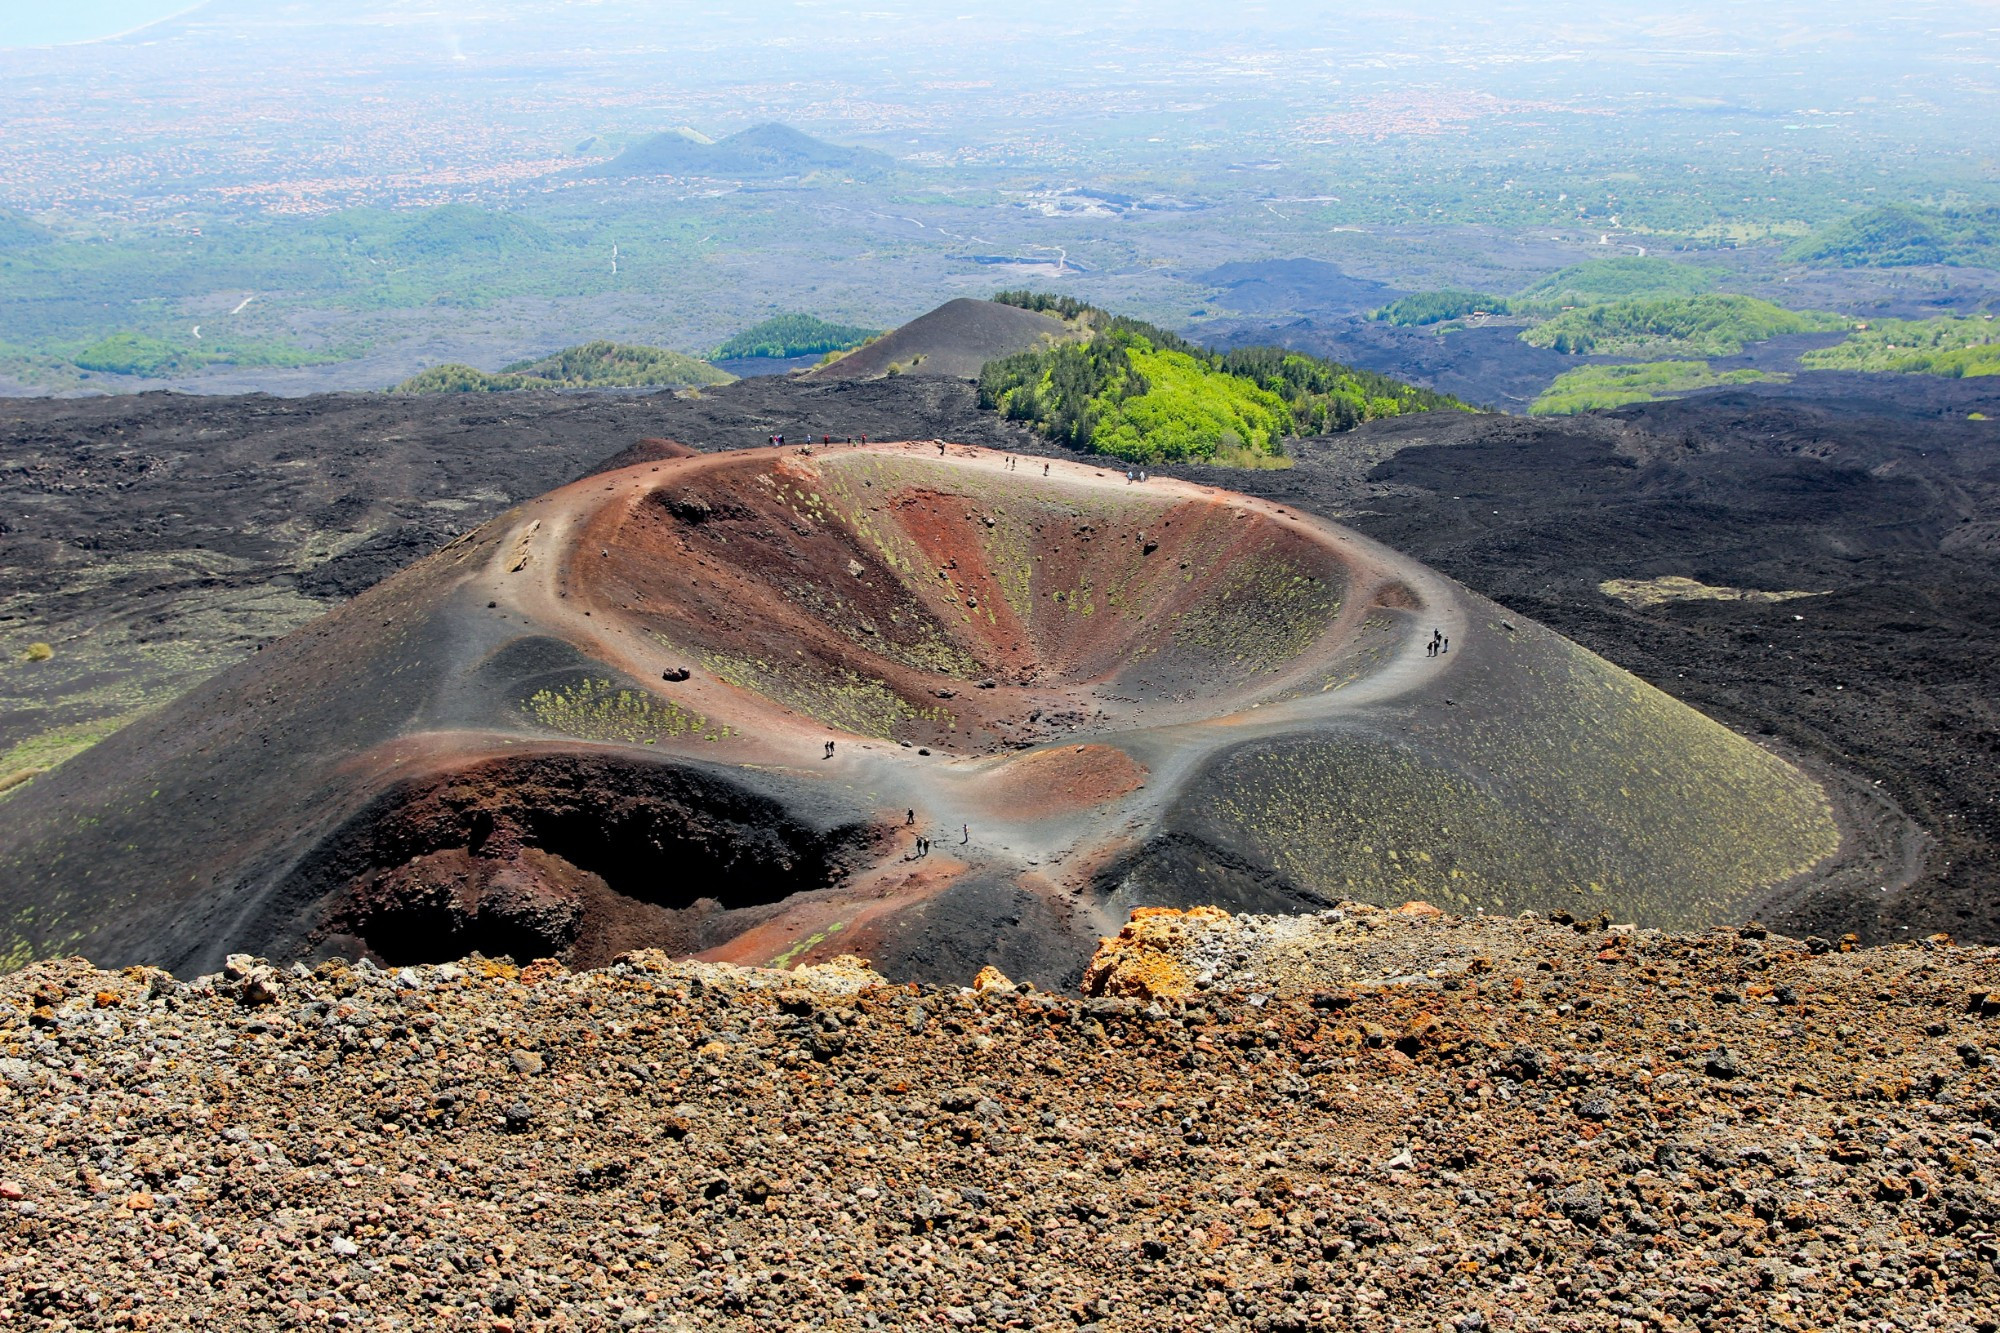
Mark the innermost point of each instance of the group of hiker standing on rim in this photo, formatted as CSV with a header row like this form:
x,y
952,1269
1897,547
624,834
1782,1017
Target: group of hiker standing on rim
x,y
923,845
778,441
1439,644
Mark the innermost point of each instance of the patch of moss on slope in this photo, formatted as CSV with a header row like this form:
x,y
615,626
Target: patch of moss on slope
x,y
839,698
1589,789
1268,612
596,710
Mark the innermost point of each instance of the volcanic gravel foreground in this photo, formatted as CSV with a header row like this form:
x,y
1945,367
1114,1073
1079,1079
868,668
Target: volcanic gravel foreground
x,y
1357,1119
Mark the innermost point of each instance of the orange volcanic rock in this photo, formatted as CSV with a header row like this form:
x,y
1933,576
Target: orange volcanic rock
x,y
1147,959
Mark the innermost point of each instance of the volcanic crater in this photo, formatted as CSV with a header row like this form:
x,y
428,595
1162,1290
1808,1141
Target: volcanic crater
x,y
713,704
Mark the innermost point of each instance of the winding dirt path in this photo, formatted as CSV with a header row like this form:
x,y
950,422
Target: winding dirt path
x,y
1048,815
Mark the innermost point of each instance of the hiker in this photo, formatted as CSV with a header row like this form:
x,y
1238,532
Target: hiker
x,y
1444,645
968,834
909,819
1045,469
864,439
1431,648
829,749
940,445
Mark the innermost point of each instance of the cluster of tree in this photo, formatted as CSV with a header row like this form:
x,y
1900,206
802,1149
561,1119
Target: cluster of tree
x,y
143,355
1325,397
793,335
1617,278
1899,236
138,354
1716,325
1593,282
1942,346
1047,303
1140,393
595,365
1439,307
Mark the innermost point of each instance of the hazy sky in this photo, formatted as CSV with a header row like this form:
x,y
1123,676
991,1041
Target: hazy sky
x,y
79,20
33,24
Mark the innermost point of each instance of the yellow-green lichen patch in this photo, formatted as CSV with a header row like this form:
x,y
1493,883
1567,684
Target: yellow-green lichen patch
x,y
18,934
838,697
1646,593
811,941
596,710
1585,786
1265,613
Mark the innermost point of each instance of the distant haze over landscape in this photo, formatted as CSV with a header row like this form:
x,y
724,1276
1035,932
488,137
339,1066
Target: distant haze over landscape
x,y
257,207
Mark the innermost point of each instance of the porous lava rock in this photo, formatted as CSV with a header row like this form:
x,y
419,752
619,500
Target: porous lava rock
x,y
943,706
1358,1119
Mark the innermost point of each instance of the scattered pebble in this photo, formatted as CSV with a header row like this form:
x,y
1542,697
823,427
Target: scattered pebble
x,y
1526,1131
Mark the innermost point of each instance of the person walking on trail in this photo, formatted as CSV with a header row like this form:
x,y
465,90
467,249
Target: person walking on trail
x,y
940,445
829,749
909,819
1045,469
968,834
1444,645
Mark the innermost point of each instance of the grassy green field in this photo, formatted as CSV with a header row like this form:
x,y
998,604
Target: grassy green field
x,y
1592,387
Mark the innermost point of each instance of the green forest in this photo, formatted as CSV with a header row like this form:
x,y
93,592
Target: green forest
x,y
1595,282
1619,278
1148,396
1900,236
1715,325
595,365
1439,307
1942,346
793,335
